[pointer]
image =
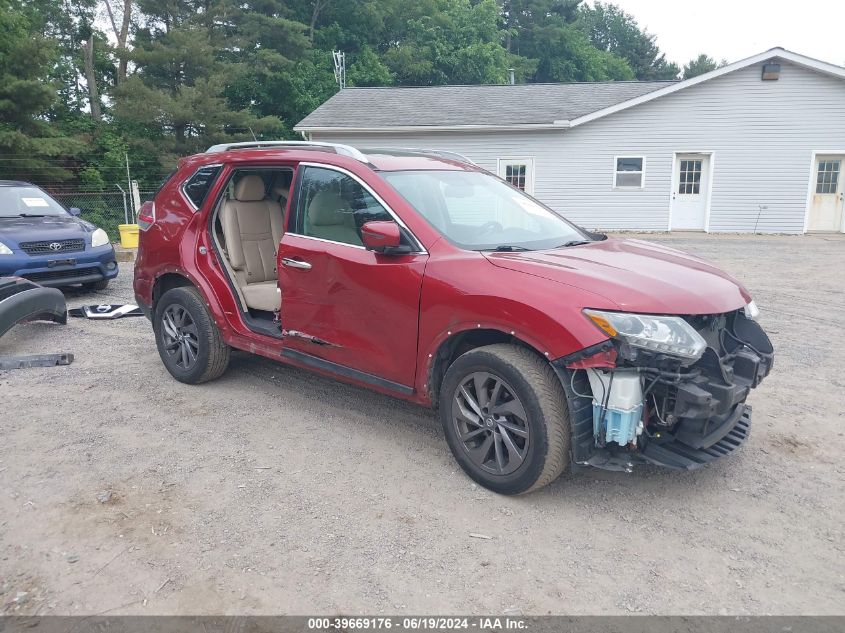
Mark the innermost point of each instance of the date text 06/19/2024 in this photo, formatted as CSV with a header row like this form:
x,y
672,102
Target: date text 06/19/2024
x,y
421,623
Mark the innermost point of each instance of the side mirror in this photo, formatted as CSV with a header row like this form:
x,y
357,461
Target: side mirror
x,y
76,211
383,237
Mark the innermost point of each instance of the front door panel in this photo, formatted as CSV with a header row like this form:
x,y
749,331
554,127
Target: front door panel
x,y
689,192
363,307
826,204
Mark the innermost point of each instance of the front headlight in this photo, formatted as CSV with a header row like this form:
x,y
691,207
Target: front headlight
x,y
663,334
5,250
99,238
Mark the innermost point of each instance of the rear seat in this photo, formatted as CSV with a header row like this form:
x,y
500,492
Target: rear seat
x,y
252,226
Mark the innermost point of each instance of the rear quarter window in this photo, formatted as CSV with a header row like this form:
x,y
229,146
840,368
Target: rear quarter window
x,y
196,188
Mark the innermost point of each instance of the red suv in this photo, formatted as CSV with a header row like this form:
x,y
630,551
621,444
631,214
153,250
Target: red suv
x,y
417,274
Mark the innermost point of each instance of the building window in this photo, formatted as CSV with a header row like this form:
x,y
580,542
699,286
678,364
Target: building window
x,y
689,180
515,175
518,172
827,180
629,172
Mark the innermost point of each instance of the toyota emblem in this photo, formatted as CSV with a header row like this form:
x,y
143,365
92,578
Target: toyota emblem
x,y
55,246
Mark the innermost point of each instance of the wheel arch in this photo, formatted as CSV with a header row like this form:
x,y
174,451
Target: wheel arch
x,y
169,281
459,341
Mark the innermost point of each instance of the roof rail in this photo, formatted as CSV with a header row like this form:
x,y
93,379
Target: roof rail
x,y
343,150
440,153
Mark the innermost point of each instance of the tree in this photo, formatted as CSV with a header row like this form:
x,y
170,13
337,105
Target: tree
x,y
611,29
520,17
569,56
175,76
91,79
547,43
178,94
700,65
29,147
121,34
367,69
458,42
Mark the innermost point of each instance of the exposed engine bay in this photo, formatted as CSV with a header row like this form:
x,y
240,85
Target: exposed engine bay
x,y
677,402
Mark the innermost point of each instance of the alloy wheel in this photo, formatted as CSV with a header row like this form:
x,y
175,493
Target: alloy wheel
x,y
180,336
491,423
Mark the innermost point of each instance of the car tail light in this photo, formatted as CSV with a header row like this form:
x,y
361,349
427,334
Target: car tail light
x,y
147,215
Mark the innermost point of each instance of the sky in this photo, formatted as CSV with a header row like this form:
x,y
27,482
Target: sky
x,y
736,29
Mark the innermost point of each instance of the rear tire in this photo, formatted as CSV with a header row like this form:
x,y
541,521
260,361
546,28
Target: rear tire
x,y
95,286
188,340
505,417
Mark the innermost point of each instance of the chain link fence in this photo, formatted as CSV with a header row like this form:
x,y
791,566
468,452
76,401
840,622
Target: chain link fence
x,y
106,209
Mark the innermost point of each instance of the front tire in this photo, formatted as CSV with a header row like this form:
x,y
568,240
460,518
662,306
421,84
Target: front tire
x,y
188,340
505,417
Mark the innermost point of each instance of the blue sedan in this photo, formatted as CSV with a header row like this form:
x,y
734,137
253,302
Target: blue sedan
x,y
45,243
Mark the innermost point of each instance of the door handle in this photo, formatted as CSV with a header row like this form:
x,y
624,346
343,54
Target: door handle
x,y
295,263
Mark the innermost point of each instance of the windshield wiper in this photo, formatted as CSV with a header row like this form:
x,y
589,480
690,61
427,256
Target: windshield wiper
x,y
574,243
29,215
507,248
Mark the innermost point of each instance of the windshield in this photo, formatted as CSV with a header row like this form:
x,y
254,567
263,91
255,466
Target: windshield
x,y
477,211
27,201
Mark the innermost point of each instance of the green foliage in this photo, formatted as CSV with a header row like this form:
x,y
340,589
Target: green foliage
x,y
459,43
572,57
700,65
367,69
90,179
548,36
611,29
206,71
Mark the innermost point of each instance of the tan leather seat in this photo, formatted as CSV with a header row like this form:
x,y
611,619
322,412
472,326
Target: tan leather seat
x,y
252,226
329,217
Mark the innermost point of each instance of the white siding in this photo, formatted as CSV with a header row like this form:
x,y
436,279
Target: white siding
x,y
762,133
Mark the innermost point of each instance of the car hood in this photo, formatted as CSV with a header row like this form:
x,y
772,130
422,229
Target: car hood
x,y
15,230
637,276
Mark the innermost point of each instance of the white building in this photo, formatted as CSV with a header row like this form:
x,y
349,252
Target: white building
x,y
758,145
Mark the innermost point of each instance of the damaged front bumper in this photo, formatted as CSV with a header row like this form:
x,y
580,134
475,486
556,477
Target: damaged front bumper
x,y
21,300
687,416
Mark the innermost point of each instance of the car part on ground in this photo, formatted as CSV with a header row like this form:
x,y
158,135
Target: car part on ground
x,y
106,311
35,360
22,300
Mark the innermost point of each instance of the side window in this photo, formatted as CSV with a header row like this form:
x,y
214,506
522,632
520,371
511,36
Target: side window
x,y
334,206
197,186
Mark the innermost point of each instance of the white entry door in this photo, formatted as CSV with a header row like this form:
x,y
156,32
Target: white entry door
x,y
689,192
519,172
826,205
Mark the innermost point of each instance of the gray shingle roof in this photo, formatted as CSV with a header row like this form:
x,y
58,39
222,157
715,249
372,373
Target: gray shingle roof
x,y
522,104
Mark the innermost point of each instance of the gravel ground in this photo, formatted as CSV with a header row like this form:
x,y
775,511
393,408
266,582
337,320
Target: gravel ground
x,y
275,491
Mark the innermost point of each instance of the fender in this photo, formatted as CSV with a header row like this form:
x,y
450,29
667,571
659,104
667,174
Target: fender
x,y
520,306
